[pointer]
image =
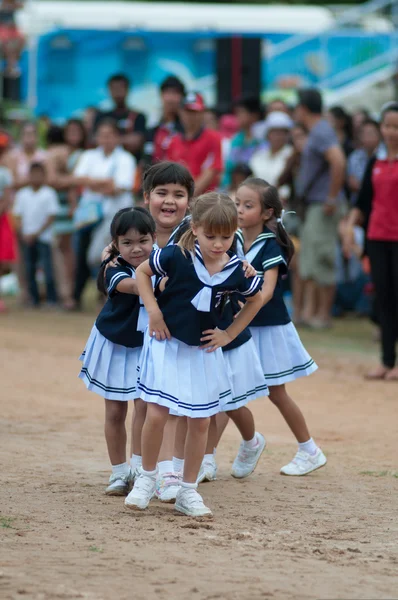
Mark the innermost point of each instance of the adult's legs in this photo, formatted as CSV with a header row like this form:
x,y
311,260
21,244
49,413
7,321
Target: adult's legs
x,y
68,264
82,273
383,275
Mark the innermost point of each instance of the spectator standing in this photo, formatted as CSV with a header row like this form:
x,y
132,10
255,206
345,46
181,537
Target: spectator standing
x,y
269,160
35,209
369,140
198,148
106,175
158,139
61,162
359,116
131,123
319,185
376,209
7,237
20,159
247,111
341,122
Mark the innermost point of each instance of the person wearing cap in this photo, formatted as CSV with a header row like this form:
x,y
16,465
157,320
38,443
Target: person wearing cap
x,y
158,138
247,111
269,161
198,148
319,186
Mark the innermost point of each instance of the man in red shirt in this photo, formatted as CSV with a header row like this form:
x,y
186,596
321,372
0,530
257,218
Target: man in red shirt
x,y
198,148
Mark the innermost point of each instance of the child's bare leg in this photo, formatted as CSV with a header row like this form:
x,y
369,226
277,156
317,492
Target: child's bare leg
x,y
290,412
152,435
212,436
137,425
222,420
244,421
115,430
195,446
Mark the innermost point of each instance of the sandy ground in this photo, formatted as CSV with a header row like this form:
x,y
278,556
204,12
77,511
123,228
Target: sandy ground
x,y
330,535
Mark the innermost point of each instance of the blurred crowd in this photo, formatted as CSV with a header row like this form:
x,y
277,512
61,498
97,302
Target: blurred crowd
x,y
60,186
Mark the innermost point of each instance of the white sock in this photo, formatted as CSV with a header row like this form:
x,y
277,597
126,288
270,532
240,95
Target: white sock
x,y
189,486
310,447
165,466
178,465
251,443
122,469
209,458
149,473
135,462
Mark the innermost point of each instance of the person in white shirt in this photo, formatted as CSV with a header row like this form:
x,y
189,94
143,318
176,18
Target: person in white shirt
x,y
35,209
107,176
269,160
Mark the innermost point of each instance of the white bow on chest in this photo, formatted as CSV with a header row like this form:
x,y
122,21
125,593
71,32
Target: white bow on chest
x,y
202,300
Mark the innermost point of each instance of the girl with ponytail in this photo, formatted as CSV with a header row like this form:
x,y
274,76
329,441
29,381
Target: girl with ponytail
x,y
264,242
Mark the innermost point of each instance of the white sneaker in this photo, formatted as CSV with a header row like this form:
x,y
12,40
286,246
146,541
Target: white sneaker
x,y
190,503
207,471
304,463
120,485
167,487
142,492
247,458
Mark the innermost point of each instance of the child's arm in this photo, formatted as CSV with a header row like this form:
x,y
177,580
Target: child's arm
x,y
217,338
270,280
128,286
157,326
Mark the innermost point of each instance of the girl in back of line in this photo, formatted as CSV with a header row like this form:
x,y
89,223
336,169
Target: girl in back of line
x,y
265,243
111,355
182,365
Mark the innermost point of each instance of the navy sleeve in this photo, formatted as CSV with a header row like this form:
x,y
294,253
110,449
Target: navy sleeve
x,y
113,276
249,286
272,256
161,260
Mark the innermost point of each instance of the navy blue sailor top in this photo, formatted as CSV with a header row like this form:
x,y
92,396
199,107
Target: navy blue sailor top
x,y
191,299
265,253
118,319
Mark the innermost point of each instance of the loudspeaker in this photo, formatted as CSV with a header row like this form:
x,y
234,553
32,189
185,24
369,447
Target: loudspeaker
x,y
238,63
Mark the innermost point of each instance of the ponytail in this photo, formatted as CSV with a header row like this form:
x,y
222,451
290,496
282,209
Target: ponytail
x,y
187,240
283,239
114,252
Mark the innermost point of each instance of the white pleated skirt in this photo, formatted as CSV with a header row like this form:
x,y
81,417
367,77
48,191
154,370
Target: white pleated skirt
x,y
109,369
187,380
246,375
282,354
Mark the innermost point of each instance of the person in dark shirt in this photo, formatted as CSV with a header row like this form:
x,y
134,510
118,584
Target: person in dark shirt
x,y
131,123
158,138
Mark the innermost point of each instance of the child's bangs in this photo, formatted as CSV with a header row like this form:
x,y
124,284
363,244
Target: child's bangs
x,y
221,220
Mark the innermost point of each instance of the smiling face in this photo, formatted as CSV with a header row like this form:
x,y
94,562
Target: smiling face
x,y
213,246
167,204
135,247
250,210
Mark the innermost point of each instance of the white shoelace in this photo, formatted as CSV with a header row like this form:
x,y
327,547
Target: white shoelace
x,y
144,483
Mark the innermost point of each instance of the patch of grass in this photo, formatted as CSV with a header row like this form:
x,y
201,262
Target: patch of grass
x,y
95,549
6,522
380,473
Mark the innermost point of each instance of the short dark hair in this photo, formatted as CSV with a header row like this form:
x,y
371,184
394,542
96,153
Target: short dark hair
x,y
242,169
109,122
372,123
37,166
389,107
311,99
167,172
119,78
172,82
55,135
249,103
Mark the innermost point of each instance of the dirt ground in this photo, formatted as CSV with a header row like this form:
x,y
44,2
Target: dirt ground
x,y
330,535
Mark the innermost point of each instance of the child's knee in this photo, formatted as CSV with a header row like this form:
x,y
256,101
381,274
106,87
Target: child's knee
x,y
277,394
157,415
200,425
116,412
140,408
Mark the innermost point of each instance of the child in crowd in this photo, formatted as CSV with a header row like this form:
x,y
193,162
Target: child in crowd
x,y
112,352
175,372
35,209
266,245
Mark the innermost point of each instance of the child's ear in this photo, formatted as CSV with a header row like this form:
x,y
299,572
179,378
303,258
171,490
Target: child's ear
x,y
268,213
146,198
194,229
